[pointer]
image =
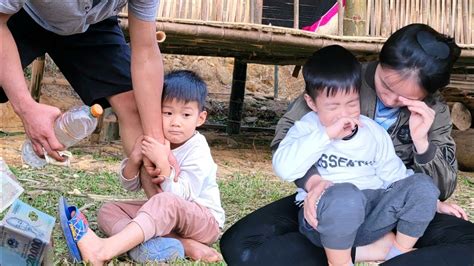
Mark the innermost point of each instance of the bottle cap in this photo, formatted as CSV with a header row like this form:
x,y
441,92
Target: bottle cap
x,y
96,110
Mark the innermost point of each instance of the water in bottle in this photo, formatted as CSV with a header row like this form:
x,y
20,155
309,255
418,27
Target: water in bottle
x,y
69,128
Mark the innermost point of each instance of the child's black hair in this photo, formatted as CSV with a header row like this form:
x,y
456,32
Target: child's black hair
x,y
419,49
185,85
334,69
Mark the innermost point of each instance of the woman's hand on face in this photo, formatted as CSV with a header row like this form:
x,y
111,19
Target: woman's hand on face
x,y
421,119
451,209
310,203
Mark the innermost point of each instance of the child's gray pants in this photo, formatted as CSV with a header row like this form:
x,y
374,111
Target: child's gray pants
x,y
350,217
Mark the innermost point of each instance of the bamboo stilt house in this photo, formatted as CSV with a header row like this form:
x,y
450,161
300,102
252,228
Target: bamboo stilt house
x,y
240,29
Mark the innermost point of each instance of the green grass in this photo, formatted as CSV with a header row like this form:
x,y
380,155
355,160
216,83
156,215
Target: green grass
x,y
241,193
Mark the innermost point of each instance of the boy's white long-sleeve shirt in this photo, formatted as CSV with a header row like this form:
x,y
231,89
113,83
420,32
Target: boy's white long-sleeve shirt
x,y
197,177
367,160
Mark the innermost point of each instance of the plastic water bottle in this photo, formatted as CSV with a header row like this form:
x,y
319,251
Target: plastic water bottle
x,y
70,128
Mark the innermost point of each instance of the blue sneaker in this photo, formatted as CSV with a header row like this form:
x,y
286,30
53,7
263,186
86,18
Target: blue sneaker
x,y
157,249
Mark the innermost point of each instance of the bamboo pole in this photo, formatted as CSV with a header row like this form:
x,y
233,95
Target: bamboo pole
x,y
232,11
397,15
377,16
418,12
453,18
258,12
355,18
443,16
465,20
471,39
401,19
247,11
263,36
386,18
448,16
161,7
253,4
439,15
205,10
181,8
340,18
459,34
412,11
296,14
238,16
393,20
369,17
407,13
373,20
219,8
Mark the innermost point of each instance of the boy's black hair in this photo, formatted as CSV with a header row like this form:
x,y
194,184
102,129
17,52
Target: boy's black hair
x,y
420,48
334,69
185,85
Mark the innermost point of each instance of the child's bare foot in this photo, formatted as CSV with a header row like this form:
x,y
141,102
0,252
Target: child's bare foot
x,y
198,251
92,248
377,250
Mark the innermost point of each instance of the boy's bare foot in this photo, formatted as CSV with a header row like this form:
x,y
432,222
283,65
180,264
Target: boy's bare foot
x,y
376,251
92,248
198,251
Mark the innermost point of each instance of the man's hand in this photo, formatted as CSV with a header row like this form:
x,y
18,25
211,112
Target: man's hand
x,y
38,120
342,127
421,119
315,188
451,209
136,156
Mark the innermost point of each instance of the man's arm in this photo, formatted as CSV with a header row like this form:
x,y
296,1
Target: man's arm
x,y
38,119
147,75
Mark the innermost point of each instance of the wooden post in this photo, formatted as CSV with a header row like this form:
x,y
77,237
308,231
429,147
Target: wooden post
x,y
355,18
275,81
296,14
237,96
37,72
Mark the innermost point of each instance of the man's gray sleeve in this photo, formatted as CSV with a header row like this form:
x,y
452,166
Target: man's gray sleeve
x,y
296,110
144,9
11,6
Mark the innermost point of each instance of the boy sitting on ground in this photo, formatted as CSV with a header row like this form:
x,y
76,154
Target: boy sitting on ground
x,y
187,213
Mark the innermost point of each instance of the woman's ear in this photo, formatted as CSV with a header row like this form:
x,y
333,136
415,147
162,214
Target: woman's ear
x,y
310,102
202,118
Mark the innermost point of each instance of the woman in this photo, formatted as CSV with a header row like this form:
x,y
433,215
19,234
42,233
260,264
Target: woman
x,y
400,92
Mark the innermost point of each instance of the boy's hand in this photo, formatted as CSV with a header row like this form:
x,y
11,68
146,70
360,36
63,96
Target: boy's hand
x,y
315,192
451,209
342,127
155,151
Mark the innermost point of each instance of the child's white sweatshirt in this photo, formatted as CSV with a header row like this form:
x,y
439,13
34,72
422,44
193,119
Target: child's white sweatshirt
x,y
367,160
197,177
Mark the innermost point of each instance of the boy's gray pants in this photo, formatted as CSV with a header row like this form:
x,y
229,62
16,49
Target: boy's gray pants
x,y
349,217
